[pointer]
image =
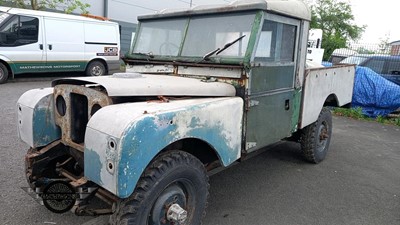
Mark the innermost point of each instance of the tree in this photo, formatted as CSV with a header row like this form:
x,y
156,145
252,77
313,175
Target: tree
x,y
336,20
384,45
68,6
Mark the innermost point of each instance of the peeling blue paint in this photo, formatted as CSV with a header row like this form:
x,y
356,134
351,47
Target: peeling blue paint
x,y
143,140
93,166
44,127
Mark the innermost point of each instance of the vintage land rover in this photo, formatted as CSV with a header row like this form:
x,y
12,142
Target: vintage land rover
x,y
205,88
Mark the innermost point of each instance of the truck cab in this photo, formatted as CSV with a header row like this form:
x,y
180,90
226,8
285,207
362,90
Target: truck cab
x,y
204,88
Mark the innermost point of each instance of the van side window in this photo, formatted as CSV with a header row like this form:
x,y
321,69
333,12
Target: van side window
x,y
20,30
277,42
393,67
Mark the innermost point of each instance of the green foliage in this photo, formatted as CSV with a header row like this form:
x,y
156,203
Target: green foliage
x,y
396,121
335,18
356,113
384,45
68,6
380,119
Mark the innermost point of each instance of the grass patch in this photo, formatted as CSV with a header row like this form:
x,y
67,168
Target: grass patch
x,y
356,113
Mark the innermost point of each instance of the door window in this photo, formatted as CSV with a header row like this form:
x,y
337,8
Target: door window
x,y
277,42
393,67
20,30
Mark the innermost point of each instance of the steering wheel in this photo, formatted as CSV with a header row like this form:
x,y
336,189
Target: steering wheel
x,y
168,48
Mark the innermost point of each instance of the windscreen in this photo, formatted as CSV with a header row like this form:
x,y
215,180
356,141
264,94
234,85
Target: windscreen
x,y
162,37
3,16
208,33
196,36
354,60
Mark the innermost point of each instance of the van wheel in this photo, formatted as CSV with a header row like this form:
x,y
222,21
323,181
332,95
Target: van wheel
x,y
172,190
3,73
315,138
96,68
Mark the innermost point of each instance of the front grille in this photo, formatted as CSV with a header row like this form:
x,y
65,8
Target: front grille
x,y
79,117
76,105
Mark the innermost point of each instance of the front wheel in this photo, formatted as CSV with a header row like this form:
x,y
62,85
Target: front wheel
x,y
96,68
315,138
3,73
172,190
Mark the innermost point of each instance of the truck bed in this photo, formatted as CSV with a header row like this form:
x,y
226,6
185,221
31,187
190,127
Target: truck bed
x,y
335,83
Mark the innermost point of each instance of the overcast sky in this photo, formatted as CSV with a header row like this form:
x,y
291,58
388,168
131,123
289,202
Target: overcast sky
x,y
380,17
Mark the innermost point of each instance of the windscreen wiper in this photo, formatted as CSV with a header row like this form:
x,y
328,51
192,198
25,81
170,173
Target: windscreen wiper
x,y
219,50
149,54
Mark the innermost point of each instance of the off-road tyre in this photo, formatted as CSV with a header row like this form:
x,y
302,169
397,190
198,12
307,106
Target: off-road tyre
x,y
4,73
96,68
169,171
315,138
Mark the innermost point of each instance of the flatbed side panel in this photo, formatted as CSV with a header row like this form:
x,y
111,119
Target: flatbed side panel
x,y
321,83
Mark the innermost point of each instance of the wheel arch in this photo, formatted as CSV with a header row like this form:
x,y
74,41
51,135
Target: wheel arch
x,y
103,61
331,100
210,156
197,147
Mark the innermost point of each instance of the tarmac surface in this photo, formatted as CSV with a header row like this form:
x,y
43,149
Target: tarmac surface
x,y
358,183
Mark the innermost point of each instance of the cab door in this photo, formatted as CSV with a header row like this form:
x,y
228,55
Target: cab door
x,y
273,99
21,44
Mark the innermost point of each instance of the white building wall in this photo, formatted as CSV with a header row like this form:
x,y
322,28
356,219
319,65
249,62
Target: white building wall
x,y
128,10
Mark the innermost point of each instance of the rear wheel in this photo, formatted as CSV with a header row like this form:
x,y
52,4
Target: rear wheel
x,y
172,190
96,68
315,138
3,73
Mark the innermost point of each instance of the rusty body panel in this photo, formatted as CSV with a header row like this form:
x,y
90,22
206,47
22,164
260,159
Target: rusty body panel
x,y
94,100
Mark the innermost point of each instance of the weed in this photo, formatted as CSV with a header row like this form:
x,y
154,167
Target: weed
x,y
356,113
380,119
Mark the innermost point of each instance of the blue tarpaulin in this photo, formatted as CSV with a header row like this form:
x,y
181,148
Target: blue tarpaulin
x,y
374,94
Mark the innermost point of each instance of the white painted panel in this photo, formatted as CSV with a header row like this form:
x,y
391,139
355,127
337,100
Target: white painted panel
x,y
134,84
25,107
322,82
65,38
101,33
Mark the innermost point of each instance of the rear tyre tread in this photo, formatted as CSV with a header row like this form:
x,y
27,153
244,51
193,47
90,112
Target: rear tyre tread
x,y
5,72
308,139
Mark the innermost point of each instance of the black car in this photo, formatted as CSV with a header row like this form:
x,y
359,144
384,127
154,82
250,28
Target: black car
x,y
387,66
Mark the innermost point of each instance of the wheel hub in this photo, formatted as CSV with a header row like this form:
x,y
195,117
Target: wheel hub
x,y
323,137
169,207
176,214
96,71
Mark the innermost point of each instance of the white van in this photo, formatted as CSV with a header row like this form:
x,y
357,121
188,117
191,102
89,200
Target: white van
x,y
37,42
